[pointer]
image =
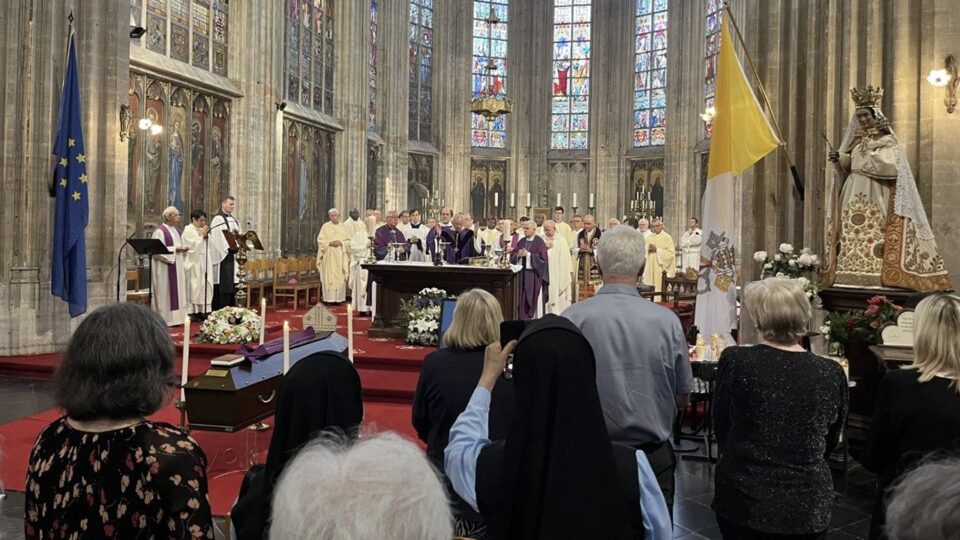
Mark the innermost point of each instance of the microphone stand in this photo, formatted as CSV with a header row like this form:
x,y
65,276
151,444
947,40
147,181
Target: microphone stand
x,y
119,259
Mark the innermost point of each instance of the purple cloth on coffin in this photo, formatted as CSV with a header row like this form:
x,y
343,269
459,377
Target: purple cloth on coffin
x,y
533,278
172,281
251,352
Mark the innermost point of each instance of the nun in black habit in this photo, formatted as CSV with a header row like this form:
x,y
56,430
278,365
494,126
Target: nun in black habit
x,y
320,393
556,475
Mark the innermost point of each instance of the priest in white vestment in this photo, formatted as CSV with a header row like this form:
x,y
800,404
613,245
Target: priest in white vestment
x,y
416,234
562,227
224,266
353,223
333,258
690,245
561,276
198,266
168,278
643,225
359,250
661,256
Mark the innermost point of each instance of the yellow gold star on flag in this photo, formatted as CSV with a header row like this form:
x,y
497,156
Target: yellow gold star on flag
x,y
63,162
83,178
63,182
71,142
76,195
81,158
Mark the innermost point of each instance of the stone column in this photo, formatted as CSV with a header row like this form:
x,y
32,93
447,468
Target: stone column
x,y
33,62
453,55
350,102
394,91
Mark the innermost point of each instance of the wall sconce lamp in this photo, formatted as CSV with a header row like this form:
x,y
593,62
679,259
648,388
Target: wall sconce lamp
x,y
146,123
281,106
708,115
946,78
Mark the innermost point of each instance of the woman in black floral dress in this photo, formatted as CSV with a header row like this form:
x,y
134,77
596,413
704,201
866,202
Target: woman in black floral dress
x,y
103,470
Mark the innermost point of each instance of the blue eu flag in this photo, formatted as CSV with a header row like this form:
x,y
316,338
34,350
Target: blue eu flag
x,y
69,274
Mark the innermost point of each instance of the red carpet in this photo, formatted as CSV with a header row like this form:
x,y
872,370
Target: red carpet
x,y
229,455
388,373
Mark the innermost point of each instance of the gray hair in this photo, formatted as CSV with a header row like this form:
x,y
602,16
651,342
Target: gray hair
x,y
168,211
643,220
621,253
780,309
923,504
393,213
381,487
333,211
102,377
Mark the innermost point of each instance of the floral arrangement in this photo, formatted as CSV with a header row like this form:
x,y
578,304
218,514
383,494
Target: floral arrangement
x,y
230,325
863,326
786,263
421,316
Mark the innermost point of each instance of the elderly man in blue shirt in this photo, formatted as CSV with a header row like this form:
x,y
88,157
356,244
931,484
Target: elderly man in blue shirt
x,y
643,373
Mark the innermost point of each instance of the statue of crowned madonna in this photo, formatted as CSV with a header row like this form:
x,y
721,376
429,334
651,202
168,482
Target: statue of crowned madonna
x,y
879,235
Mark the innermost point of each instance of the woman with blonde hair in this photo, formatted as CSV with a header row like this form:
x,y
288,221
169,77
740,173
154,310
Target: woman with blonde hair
x,y
778,412
918,408
447,379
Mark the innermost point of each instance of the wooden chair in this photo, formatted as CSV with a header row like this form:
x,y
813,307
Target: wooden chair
x,y
257,280
283,271
310,276
680,295
134,294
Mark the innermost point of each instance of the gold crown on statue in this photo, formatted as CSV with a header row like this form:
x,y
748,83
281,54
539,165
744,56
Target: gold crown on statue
x,y
869,96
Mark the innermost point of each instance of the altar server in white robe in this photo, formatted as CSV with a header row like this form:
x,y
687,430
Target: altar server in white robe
x,y
168,278
359,250
224,265
353,223
416,234
690,245
198,267
333,258
558,262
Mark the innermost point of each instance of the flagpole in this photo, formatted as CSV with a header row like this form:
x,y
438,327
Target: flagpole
x,y
798,183
52,185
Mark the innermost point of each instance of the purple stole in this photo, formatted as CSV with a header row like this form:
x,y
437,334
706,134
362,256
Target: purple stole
x,y
535,278
171,271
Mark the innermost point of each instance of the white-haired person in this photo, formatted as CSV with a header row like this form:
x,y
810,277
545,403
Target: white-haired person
x,y
103,470
924,502
447,379
169,276
918,408
333,258
778,412
643,372
380,487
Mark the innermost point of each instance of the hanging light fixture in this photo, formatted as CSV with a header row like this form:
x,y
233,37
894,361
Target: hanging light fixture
x,y
489,103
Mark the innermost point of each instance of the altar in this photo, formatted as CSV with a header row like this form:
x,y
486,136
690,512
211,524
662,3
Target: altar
x,y
396,282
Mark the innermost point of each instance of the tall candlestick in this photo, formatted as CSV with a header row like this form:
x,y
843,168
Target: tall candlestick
x,y
574,200
558,198
286,347
184,370
528,198
350,332
513,201
263,318
496,199
591,200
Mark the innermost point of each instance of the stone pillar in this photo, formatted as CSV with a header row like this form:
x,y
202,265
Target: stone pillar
x,y
350,102
34,61
453,54
394,91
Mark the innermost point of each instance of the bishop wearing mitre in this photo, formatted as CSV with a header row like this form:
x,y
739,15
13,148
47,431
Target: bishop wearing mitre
x,y
198,267
333,258
168,278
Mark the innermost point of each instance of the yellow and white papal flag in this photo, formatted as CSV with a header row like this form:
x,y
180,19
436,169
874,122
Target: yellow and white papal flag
x,y
741,137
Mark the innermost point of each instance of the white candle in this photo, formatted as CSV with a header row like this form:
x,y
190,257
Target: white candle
x,y
496,199
286,347
591,200
184,370
513,201
263,318
558,199
350,332
574,200
528,198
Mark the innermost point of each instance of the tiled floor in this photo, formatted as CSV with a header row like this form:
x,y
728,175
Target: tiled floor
x,y
693,518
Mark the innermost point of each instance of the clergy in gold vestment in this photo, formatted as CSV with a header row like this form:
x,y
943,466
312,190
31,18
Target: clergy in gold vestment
x,y
880,233
661,256
333,258
588,273
561,274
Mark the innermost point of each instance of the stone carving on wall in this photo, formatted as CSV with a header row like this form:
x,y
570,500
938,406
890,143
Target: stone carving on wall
x,y
419,180
647,175
488,187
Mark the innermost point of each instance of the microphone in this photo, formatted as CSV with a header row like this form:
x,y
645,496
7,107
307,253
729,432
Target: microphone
x,y
120,259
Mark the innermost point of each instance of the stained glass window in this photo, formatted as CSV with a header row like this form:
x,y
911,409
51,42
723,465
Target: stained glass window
x,y
489,51
711,53
421,70
650,73
373,67
308,71
570,121
197,30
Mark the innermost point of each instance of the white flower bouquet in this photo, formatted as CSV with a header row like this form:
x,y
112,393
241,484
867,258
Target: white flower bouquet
x,y
421,316
786,263
231,325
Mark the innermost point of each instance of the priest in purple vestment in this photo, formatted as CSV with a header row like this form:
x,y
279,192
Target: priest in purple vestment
x,y
530,252
465,241
442,234
390,234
